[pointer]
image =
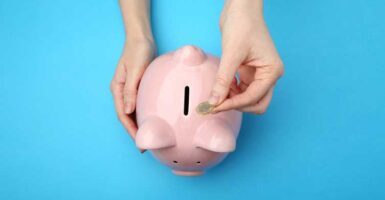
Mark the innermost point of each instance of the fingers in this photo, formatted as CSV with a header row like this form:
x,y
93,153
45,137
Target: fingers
x,y
251,96
134,67
135,58
261,106
127,121
130,90
243,86
124,90
234,89
226,72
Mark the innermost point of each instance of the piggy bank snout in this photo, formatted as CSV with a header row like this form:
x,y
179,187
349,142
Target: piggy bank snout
x,y
188,160
210,143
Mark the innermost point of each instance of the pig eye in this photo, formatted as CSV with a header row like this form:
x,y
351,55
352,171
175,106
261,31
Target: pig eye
x,y
198,162
186,100
174,161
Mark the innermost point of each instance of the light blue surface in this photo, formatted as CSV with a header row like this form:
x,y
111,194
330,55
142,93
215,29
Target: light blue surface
x,y
322,138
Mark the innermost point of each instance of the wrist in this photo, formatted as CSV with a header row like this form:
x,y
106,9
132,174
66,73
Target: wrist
x,y
137,23
139,37
253,4
139,30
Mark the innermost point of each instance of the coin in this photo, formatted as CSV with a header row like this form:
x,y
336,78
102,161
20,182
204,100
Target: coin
x,y
204,108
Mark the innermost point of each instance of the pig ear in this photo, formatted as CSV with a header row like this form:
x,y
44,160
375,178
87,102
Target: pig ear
x,y
154,133
215,135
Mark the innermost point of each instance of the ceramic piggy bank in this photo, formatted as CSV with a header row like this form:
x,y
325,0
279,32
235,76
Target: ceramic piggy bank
x,y
169,126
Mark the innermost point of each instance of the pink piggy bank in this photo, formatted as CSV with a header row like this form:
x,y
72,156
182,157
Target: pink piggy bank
x,y
169,126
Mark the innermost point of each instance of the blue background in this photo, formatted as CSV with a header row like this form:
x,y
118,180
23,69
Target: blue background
x,y
322,137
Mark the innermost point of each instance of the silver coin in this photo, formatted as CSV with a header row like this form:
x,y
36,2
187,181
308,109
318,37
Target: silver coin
x,y
204,108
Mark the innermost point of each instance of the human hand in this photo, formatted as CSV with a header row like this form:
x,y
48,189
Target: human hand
x,y
138,52
247,48
135,58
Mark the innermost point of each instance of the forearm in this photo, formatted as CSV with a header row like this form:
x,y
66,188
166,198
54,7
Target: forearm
x,y
252,8
136,17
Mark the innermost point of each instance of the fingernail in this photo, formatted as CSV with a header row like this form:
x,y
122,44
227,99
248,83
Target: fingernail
x,y
129,108
214,98
214,112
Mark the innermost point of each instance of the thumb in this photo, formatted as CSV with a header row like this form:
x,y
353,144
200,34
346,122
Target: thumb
x,y
227,69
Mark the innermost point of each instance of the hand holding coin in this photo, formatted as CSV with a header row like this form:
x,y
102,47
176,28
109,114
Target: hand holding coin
x,y
205,107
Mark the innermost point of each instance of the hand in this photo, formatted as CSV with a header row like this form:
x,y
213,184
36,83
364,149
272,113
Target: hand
x,y
135,58
247,48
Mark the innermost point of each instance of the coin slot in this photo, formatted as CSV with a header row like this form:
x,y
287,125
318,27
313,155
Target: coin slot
x,y
186,100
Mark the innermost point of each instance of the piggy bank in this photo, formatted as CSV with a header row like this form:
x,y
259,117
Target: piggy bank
x,y
168,124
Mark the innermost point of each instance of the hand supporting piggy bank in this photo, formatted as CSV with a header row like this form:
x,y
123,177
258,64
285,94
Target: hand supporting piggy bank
x,y
170,90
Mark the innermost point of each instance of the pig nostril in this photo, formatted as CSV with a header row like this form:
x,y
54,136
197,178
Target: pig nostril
x,y
174,161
